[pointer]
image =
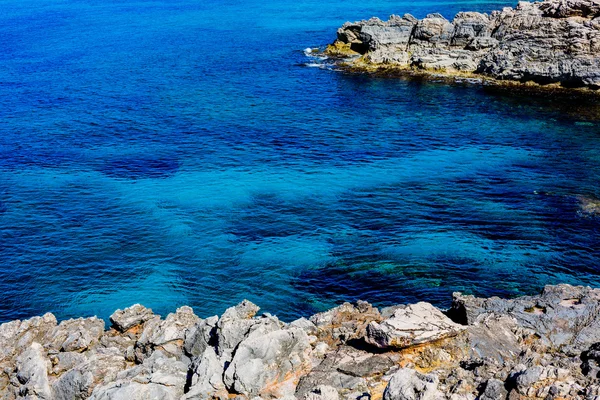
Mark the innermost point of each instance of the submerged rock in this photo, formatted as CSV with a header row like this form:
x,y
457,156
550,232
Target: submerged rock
x,y
551,41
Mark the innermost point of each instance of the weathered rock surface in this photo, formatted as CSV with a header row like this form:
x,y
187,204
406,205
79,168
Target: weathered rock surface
x,y
265,364
408,384
411,325
551,41
132,316
533,347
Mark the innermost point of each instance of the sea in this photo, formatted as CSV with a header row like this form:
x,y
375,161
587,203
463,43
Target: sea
x,y
194,152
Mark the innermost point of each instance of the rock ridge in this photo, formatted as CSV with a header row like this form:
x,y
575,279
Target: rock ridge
x,y
550,42
533,347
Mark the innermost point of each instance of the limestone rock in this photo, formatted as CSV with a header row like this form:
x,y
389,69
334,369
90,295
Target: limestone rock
x,y
18,335
32,373
75,334
545,42
566,317
132,316
323,392
237,324
346,369
207,377
591,361
494,390
345,322
200,336
159,377
411,325
74,385
167,335
408,384
264,364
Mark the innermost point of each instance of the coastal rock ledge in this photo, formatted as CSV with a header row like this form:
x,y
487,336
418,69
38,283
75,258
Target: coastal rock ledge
x,y
547,42
536,347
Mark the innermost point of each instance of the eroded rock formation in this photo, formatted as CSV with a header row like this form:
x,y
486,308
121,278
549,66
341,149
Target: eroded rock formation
x,y
552,41
535,347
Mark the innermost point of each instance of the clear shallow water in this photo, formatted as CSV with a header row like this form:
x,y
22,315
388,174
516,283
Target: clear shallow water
x,y
181,152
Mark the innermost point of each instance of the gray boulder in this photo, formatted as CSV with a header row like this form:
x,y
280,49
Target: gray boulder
x,y
408,384
238,324
166,335
268,364
73,385
207,378
126,319
494,390
567,318
18,335
323,392
411,325
32,373
200,336
75,334
159,377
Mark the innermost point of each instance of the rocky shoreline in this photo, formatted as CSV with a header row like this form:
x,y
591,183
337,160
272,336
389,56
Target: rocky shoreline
x,y
552,44
536,347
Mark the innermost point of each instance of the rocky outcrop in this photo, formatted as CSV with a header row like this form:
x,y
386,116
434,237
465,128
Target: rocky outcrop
x,y
535,347
551,41
411,325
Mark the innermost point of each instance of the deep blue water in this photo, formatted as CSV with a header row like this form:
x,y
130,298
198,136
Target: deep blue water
x,y
176,152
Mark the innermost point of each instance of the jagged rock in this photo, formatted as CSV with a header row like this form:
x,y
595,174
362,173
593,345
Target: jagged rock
x,y
411,325
494,390
304,324
64,361
207,378
545,42
323,392
75,334
495,337
526,347
74,385
408,384
159,377
591,361
104,364
32,373
565,317
132,316
345,369
200,336
167,335
15,339
266,364
345,322
16,335
237,324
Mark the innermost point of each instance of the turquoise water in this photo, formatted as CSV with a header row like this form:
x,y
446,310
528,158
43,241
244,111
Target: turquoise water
x,y
187,152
